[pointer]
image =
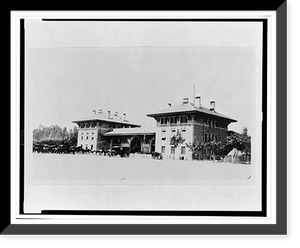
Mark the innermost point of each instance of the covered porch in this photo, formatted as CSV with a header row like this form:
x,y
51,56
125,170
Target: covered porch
x,y
133,140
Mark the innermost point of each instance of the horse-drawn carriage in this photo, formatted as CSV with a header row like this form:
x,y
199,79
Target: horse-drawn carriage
x,y
114,152
156,155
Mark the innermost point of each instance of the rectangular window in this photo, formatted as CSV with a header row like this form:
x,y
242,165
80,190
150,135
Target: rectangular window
x,y
183,133
92,138
87,137
163,138
183,119
172,150
173,120
91,147
163,121
182,150
163,149
82,137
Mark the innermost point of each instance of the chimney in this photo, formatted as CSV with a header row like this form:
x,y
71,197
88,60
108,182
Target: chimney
x,y
100,111
94,111
199,101
185,100
212,105
169,104
108,114
124,117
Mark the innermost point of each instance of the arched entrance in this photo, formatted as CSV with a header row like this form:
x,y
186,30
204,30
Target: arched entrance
x,y
135,145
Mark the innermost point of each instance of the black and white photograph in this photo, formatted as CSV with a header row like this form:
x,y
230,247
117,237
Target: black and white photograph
x,y
141,115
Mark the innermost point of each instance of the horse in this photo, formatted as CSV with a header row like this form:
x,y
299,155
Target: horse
x,y
156,155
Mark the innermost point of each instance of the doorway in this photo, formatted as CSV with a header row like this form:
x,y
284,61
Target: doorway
x,y
135,145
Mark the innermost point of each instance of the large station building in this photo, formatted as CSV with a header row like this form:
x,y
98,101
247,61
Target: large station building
x,y
192,120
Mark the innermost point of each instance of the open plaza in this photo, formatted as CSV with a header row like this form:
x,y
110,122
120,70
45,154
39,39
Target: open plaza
x,y
89,167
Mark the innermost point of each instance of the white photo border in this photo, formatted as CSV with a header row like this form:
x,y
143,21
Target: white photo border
x,y
17,218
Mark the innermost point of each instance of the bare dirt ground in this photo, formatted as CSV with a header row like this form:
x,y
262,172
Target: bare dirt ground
x,y
91,167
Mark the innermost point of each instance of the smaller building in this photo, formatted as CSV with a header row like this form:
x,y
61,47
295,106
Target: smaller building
x,y
91,129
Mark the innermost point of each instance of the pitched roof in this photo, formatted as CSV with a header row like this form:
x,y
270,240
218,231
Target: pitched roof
x,y
131,131
102,117
188,108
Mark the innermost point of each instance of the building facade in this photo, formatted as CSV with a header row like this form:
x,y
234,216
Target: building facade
x,y
193,122
91,130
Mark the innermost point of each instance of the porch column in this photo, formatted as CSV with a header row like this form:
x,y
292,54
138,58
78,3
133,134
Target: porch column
x,y
110,145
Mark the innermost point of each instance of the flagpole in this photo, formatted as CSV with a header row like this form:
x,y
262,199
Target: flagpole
x,y
194,95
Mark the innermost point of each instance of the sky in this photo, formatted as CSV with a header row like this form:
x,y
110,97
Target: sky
x,y
73,68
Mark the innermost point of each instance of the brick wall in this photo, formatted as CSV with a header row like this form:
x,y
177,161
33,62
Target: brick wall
x,y
201,129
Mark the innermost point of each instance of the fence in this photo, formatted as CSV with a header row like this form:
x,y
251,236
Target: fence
x,y
242,159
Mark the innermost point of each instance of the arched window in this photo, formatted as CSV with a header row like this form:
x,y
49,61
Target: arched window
x,y
208,122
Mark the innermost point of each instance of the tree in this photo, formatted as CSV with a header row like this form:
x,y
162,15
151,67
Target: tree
x,y
176,140
37,134
215,146
55,135
195,147
73,136
239,142
246,141
235,141
65,135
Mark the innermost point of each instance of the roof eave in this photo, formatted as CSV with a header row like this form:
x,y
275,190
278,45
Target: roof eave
x,y
114,121
171,113
189,112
